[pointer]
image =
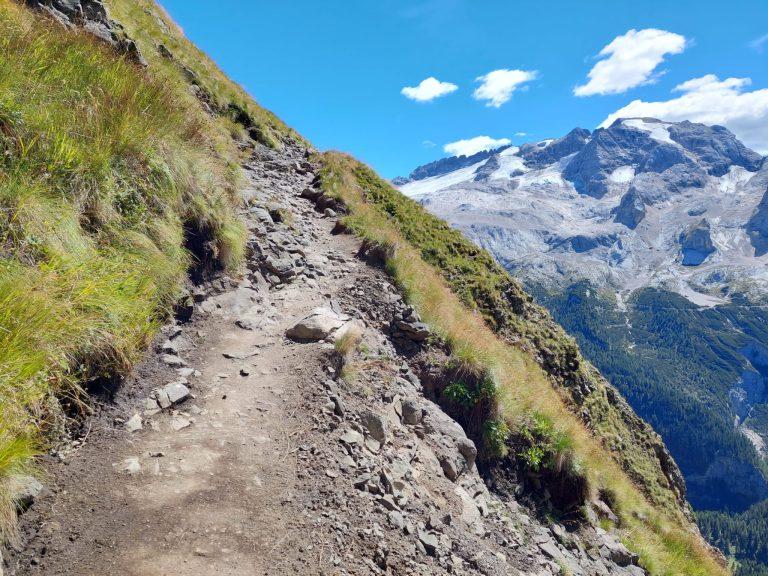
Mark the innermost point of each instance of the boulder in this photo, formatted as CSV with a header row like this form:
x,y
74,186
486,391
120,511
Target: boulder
x,y
318,325
696,243
375,424
455,452
411,412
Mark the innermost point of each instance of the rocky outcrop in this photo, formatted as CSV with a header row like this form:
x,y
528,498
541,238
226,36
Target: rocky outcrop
x,y
607,150
715,147
631,210
445,165
486,170
92,16
539,155
696,243
757,227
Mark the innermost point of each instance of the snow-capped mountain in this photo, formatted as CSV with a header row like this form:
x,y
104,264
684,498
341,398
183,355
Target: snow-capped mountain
x,y
648,240
642,203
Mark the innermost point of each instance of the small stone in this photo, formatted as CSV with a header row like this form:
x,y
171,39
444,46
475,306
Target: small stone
x,y
170,348
131,465
429,541
25,490
352,437
176,391
150,404
173,361
396,519
135,423
179,423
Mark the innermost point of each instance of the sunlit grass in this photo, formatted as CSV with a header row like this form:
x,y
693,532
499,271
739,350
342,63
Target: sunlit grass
x,y
102,166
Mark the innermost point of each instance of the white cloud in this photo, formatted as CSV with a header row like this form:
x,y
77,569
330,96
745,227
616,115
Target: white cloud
x,y
428,144
758,43
428,90
521,134
630,61
474,145
497,87
711,101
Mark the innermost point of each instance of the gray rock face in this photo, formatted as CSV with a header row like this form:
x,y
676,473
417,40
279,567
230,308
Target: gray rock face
x,y
446,165
757,227
538,156
485,171
92,16
715,147
696,243
608,149
631,209
682,165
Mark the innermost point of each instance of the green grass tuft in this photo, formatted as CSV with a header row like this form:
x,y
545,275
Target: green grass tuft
x,y
105,169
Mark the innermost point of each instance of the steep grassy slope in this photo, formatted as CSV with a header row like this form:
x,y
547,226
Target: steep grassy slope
x,y
107,172
494,330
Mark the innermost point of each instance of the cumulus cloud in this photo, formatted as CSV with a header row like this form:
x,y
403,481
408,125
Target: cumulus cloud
x,y
474,145
630,60
428,90
496,87
710,100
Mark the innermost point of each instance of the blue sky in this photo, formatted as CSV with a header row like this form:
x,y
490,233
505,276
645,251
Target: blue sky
x,y
335,70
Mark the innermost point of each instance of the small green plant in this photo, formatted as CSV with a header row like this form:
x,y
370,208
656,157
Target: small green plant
x,y
459,393
549,447
533,457
495,434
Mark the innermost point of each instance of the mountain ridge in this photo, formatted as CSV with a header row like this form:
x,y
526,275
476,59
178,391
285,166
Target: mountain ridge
x,y
647,244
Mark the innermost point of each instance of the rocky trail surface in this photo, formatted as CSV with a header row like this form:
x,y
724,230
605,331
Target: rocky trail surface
x,y
247,443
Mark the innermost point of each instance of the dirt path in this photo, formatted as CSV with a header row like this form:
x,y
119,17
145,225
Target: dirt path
x,y
236,451
206,488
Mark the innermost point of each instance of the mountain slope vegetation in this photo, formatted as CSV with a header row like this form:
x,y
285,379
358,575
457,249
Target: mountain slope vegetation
x,y
107,171
117,180
453,285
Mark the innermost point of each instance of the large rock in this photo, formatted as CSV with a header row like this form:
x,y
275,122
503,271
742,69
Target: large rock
x,y
696,243
455,452
318,325
631,209
375,424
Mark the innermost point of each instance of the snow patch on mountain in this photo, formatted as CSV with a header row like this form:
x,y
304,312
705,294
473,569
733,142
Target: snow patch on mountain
x,y
641,203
